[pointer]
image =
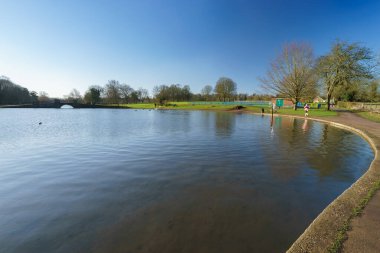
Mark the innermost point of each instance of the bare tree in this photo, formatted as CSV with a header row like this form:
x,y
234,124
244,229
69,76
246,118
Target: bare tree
x,y
174,92
43,96
206,92
225,89
75,96
292,73
125,92
142,94
112,92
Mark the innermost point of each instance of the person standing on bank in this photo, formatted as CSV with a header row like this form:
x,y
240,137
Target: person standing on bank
x,y
306,109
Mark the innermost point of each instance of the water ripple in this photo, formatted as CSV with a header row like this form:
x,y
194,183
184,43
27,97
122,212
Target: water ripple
x,y
136,181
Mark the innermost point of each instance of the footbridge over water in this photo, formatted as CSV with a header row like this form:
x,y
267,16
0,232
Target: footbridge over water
x,y
57,103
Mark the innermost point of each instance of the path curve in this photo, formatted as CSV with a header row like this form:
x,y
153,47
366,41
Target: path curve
x,y
364,235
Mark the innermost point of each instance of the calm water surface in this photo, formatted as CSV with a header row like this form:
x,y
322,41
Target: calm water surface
x,y
166,181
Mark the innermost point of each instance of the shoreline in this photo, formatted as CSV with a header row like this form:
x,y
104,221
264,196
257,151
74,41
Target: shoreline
x,y
328,231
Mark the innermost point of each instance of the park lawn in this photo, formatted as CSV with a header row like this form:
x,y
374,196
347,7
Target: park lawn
x,y
372,116
119,105
140,106
221,107
257,109
190,106
175,106
312,112
180,106
213,107
132,106
254,109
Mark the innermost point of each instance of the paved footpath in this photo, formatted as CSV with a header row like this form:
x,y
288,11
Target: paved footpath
x,y
364,235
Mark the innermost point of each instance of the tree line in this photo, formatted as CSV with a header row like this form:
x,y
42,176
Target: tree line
x,y
114,92
11,93
225,89
347,72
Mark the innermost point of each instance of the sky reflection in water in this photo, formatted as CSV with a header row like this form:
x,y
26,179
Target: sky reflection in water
x,y
166,181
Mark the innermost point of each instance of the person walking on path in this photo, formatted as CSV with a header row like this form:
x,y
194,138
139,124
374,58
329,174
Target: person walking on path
x,y
306,109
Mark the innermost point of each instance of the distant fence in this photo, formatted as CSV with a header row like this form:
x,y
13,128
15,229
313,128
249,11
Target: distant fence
x,y
246,103
260,104
317,105
359,106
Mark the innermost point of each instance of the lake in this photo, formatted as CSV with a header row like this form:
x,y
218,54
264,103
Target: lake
x,y
104,180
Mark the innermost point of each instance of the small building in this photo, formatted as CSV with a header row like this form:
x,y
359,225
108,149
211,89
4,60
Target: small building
x,y
319,99
287,103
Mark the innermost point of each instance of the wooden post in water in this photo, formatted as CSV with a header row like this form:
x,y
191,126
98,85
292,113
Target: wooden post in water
x,y
271,120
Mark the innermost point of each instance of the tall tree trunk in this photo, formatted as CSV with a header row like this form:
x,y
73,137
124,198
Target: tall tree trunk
x,y
328,101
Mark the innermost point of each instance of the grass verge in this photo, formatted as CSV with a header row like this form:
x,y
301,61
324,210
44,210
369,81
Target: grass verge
x,y
312,112
139,106
357,211
221,107
372,116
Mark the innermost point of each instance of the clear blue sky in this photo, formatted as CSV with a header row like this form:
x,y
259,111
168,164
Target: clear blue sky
x,y
55,46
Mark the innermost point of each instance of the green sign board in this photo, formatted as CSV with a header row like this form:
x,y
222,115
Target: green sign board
x,y
279,102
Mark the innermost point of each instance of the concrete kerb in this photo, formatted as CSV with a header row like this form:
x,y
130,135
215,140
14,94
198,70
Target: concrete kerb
x,y
322,232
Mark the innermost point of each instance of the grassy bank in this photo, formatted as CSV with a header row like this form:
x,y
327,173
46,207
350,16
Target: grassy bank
x,y
372,116
312,112
221,107
357,211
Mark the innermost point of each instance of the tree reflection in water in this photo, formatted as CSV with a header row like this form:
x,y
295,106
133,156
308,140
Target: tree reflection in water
x,y
224,124
291,138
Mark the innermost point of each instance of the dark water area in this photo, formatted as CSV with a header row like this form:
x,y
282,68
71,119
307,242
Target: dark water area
x,y
97,180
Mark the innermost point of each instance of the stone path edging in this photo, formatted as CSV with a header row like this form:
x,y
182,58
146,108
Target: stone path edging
x,y
322,232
